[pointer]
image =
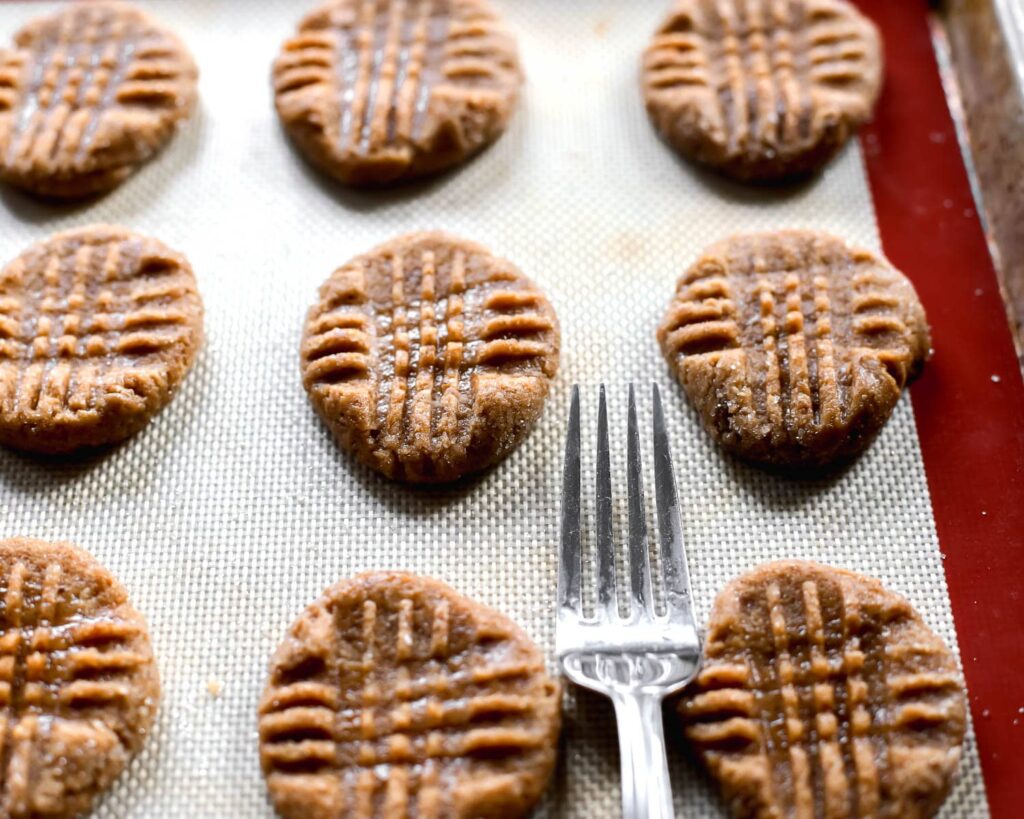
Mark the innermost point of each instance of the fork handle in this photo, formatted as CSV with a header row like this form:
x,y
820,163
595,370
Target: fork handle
x,y
646,789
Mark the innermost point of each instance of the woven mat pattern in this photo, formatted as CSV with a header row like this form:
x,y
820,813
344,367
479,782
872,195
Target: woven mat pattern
x,y
234,508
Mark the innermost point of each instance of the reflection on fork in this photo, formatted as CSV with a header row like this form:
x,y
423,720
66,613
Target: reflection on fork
x,y
640,658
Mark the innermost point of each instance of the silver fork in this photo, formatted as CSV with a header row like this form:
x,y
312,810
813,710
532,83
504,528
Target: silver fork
x,y
639,659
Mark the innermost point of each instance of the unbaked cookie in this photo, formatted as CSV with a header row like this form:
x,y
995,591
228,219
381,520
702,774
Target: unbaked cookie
x,y
78,685
394,696
794,346
87,95
428,357
98,327
762,89
377,91
823,694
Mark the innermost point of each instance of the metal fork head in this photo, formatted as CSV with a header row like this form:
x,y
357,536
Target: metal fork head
x,y
607,649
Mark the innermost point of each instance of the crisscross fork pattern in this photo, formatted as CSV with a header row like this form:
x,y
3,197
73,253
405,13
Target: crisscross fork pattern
x,y
404,710
414,344
58,666
83,318
822,695
86,95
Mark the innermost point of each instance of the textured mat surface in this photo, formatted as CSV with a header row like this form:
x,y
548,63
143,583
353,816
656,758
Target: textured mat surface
x,y
234,508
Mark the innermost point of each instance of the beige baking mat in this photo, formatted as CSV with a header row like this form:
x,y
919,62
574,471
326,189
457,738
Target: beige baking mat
x,y
234,509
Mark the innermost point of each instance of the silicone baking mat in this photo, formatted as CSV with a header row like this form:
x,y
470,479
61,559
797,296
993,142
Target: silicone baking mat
x,y
234,509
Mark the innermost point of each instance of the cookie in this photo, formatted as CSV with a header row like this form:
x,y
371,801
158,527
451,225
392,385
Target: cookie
x,y
394,696
87,95
793,346
78,685
824,695
762,89
379,91
98,326
428,357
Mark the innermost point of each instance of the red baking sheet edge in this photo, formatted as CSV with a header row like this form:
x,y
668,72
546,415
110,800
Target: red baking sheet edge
x,y
969,404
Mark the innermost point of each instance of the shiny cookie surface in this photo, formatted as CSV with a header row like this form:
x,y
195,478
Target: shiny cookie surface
x,y
394,696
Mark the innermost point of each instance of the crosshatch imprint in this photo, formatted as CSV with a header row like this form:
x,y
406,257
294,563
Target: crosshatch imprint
x,y
792,338
94,323
88,94
377,90
825,695
395,695
78,689
762,87
410,344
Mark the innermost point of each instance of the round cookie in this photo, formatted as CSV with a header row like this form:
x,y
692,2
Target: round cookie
x,y
87,95
793,346
394,696
824,694
379,91
78,685
428,357
762,89
98,326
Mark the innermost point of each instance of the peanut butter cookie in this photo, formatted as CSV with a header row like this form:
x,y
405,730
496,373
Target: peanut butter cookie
x,y
428,357
762,89
98,327
824,695
78,686
378,91
87,95
394,696
793,346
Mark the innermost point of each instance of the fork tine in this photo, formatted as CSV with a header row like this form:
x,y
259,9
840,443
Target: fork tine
x,y
639,552
678,595
570,553
607,607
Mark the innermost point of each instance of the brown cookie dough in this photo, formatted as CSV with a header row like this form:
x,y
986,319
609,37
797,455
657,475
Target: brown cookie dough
x,y
394,696
793,346
762,89
87,95
78,685
823,694
378,91
428,357
98,327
